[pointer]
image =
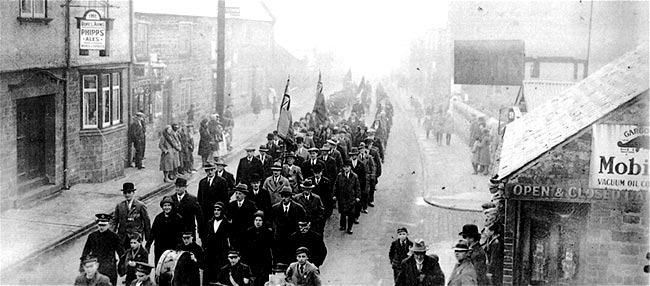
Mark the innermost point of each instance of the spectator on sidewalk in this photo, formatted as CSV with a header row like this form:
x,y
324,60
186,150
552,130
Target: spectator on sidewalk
x,y
131,216
166,229
464,273
302,272
484,151
138,138
103,245
190,114
476,254
229,125
169,159
187,148
188,207
131,257
420,268
494,251
216,131
206,142
91,275
399,250
448,126
476,154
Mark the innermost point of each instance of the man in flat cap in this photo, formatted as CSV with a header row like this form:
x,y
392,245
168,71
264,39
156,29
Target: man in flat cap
x,y
105,246
248,166
131,216
399,250
91,275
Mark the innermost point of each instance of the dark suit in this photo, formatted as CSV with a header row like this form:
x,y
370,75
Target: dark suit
x,y
257,252
266,165
216,247
190,210
138,139
274,150
409,274
104,245
241,218
262,200
397,253
314,210
230,180
238,272
331,168
336,155
346,191
308,168
131,220
314,242
284,224
247,168
360,170
375,156
323,188
208,194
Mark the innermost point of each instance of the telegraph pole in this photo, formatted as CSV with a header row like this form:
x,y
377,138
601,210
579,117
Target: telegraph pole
x,y
221,57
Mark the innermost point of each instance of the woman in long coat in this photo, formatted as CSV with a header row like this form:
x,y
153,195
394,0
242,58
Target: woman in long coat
x,y
205,142
169,159
166,230
484,151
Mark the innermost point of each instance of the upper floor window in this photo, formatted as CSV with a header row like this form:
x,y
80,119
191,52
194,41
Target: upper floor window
x,y
185,39
101,100
141,41
100,5
33,8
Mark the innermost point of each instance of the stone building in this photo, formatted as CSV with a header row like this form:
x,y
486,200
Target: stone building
x,y
574,182
64,85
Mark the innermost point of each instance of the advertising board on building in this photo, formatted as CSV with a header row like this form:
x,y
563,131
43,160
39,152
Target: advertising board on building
x,y
619,157
92,32
489,62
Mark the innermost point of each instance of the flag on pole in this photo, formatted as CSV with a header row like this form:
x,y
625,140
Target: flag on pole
x,y
284,119
320,109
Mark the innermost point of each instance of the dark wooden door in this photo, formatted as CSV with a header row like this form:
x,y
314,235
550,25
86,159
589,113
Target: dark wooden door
x,y
31,137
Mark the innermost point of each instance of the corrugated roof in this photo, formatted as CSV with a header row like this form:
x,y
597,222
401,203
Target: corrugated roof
x,y
564,115
538,92
248,9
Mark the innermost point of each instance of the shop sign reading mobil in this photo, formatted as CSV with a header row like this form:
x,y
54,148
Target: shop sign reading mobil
x,y
92,31
619,157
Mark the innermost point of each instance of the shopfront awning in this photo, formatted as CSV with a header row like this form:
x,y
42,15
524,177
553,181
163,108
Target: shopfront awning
x,y
578,107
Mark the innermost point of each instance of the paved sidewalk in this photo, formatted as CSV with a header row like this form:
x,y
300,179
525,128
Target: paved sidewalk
x,y
449,179
36,228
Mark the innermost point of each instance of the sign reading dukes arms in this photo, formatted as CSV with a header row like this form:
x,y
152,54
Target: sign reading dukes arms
x,y
619,157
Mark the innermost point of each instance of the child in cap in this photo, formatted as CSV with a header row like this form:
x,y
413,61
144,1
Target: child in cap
x,y
131,257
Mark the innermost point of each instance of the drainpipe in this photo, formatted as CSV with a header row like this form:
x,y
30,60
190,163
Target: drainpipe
x,y
66,183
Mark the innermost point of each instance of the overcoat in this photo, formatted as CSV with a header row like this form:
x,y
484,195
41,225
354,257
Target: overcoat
x,y
360,170
267,163
216,246
256,251
205,141
331,167
166,232
463,274
241,218
323,188
247,168
132,220
230,180
484,150
314,242
274,186
190,211
104,245
208,194
308,167
397,252
409,273
347,190
262,199
313,206
169,157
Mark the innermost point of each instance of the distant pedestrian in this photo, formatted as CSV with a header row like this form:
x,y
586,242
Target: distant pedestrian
x,y
347,192
494,251
138,138
447,126
131,216
476,153
169,158
229,125
187,148
464,273
476,253
302,272
206,142
90,275
484,151
105,246
190,114
255,104
166,229
420,269
399,250
216,131
131,257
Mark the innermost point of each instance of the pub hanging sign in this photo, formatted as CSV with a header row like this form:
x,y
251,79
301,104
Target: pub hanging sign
x,y
619,157
93,33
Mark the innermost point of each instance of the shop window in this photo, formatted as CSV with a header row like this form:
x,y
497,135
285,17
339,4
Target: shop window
x,y
185,39
101,100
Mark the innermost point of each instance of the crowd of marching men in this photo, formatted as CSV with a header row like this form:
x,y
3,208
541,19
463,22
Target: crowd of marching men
x,y
263,225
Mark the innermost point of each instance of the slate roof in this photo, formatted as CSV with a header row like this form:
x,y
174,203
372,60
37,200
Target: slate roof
x,y
578,107
538,92
248,9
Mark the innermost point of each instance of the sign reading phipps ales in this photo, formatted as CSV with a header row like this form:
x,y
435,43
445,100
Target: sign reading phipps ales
x,y
489,62
92,31
619,157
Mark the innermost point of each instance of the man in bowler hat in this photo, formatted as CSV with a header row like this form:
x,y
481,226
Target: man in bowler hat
x,y
131,216
188,207
476,253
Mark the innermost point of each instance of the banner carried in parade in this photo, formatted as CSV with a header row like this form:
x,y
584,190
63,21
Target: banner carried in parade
x,y
320,109
284,118
619,157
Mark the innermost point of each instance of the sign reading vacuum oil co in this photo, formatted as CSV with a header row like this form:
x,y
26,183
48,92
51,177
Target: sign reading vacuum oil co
x,y
92,32
619,157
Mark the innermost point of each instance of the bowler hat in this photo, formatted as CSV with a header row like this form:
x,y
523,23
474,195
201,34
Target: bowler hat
x,y
354,151
469,230
143,267
300,140
419,246
461,245
307,184
250,149
325,148
166,200
128,187
302,249
180,182
277,166
286,191
243,188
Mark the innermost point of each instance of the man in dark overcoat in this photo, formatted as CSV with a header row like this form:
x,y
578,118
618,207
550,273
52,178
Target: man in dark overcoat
x,y
131,216
359,168
305,237
138,138
312,204
188,207
331,168
240,212
216,244
266,159
312,161
256,251
323,188
335,154
221,172
420,269
248,166
347,192
212,189
285,216
259,196
104,245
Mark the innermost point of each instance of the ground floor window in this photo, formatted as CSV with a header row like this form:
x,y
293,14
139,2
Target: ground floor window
x,y
101,99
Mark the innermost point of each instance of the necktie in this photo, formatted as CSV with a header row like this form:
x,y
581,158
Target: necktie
x,y
286,209
302,269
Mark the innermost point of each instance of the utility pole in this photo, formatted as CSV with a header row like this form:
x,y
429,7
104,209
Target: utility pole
x,y
591,14
221,56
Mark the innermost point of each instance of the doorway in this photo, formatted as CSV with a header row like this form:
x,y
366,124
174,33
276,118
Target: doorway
x,y
35,141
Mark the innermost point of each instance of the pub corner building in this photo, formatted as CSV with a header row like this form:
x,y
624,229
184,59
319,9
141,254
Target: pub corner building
x,y
64,95
573,178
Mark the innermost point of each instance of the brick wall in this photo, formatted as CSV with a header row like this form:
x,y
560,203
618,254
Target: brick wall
x,y
7,139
